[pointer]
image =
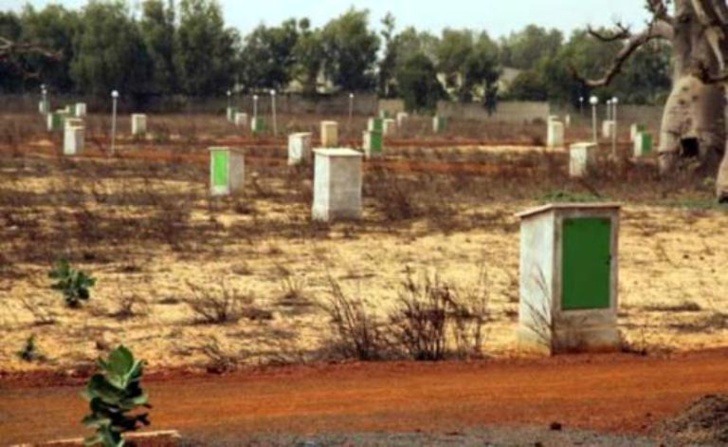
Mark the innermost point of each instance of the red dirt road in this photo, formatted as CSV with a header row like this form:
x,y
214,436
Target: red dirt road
x,y
616,393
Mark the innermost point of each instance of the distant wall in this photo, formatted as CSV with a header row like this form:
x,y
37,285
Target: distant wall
x,y
392,106
650,116
505,111
285,104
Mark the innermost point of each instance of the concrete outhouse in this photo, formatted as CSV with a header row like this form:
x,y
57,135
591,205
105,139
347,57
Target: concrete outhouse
x,y
227,171
138,124
337,184
329,133
299,148
241,120
373,143
634,129
555,134
439,123
569,278
582,158
643,144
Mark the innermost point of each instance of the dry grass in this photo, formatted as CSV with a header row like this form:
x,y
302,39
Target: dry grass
x,y
144,223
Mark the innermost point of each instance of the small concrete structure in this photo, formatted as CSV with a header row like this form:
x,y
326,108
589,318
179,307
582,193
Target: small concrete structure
x,y
389,126
337,184
73,139
241,120
439,123
567,121
257,124
299,148
634,129
72,122
44,107
555,134
227,171
608,127
56,120
401,118
80,110
329,133
384,114
643,144
582,157
231,112
373,143
138,124
375,125
569,278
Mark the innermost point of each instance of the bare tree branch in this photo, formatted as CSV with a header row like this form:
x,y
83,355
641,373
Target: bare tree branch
x,y
659,11
631,45
622,32
8,48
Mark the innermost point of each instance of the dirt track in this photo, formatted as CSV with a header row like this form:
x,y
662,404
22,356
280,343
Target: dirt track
x,y
615,393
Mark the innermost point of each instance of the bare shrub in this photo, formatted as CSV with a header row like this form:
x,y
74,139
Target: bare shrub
x,y
431,311
130,305
359,334
42,316
220,360
219,304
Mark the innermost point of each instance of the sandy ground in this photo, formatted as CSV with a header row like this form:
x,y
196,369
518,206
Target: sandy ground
x,y
672,292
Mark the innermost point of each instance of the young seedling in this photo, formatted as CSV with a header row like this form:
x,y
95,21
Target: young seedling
x,y
73,284
30,352
115,396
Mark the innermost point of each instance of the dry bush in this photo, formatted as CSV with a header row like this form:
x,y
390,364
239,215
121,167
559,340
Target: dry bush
x,y
220,360
359,335
219,304
130,305
430,311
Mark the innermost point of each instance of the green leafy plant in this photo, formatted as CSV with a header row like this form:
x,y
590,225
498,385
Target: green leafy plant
x,y
73,284
115,396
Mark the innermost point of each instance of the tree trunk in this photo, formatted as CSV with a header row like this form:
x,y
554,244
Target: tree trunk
x,y
693,123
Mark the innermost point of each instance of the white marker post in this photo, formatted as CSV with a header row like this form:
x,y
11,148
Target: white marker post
x,y
114,98
351,108
46,108
615,101
227,111
255,106
594,101
273,105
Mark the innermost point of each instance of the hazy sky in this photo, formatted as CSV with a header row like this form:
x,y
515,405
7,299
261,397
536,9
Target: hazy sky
x,y
498,17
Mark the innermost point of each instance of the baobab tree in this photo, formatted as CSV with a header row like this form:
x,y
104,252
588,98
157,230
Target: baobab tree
x,y
693,122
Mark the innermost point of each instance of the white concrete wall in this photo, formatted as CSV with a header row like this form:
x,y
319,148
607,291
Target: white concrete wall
x,y
337,184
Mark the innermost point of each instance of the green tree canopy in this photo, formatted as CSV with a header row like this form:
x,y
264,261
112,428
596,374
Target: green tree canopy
x,y
351,50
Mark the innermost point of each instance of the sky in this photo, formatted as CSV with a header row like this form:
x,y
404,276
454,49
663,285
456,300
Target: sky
x,y
498,17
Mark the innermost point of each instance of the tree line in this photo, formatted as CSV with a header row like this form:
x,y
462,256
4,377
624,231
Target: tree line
x,y
165,47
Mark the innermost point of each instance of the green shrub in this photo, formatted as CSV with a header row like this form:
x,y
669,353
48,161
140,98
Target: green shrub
x,y
114,395
73,284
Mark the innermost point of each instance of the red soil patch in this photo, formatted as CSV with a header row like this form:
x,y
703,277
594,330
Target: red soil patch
x,y
615,393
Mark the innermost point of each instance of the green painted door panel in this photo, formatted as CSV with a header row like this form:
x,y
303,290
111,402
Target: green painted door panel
x,y
376,142
378,125
220,169
586,268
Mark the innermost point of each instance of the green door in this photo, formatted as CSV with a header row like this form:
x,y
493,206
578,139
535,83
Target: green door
x,y
378,125
376,138
586,268
220,169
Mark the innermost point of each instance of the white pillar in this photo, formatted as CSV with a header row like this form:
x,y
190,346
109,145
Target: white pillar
x,y
337,184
